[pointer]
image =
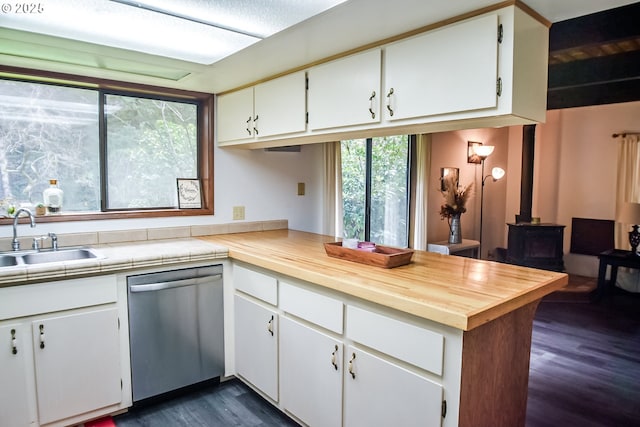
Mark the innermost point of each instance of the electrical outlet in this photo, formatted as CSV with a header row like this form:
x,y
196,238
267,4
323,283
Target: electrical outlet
x,y
238,213
301,189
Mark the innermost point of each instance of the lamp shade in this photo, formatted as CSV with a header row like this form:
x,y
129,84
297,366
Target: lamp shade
x,y
497,173
483,151
629,213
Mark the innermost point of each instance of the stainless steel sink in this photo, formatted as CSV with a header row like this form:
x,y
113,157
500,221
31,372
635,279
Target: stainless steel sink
x,y
58,256
8,261
48,256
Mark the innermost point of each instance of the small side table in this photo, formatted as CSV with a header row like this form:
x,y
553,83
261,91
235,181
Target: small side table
x,y
468,248
614,258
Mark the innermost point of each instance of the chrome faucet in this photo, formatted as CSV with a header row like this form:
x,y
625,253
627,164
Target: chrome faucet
x,y
15,244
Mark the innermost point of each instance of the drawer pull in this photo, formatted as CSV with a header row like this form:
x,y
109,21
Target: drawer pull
x,y
389,102
351,370
255,125
334,361
270,326
371,98
14,342
41,336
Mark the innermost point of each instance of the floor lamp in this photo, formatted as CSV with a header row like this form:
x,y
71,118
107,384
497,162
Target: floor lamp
x,y
484,151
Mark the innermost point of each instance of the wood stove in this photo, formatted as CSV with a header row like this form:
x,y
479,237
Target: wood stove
x,y
533,245
536,245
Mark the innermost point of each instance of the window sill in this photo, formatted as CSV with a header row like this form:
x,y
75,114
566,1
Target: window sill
x,y
96,216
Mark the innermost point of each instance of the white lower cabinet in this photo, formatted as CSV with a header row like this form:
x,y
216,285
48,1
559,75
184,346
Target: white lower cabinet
x,y
74,359
330,363
256,338
77,363
311,366
16,401
377,392
63,352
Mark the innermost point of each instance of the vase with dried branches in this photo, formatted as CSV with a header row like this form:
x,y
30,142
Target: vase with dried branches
x,y
455,204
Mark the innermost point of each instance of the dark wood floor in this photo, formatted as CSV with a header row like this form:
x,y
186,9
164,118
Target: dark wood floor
x,y
585,364
585,372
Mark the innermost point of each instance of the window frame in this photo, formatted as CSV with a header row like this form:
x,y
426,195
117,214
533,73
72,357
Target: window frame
x,y
205,102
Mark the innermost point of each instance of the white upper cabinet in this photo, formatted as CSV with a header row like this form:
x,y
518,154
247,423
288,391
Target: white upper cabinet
x,y
345,92
276,107
280,106
235,115
450,69
489,70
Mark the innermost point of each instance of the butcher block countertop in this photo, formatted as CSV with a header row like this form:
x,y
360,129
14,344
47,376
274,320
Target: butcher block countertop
x,y
460,292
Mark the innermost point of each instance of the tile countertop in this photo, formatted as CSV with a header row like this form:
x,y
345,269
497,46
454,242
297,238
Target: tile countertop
x,y
460,292
114,258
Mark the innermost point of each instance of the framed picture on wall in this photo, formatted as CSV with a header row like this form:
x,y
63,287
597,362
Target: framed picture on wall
x,y
449,173
189,193
472,157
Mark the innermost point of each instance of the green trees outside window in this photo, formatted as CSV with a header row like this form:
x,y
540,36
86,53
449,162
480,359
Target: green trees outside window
x,y
108,151
375,189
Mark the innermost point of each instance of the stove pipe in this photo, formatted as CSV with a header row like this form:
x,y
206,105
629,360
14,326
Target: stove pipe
x,y
526,182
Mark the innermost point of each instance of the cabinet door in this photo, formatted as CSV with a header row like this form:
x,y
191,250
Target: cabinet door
x,y
17,398
381,393
235,116
77,363
345,92
310,371
256,338
446,70
280,106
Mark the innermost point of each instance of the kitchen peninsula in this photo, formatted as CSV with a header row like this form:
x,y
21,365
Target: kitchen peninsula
x,y
473,317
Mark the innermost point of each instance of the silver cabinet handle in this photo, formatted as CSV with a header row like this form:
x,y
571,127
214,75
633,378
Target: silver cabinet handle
x,y
255,128
249,126
389,102
14,342
351,370
270,326
149,287
371,98
41,336
334,358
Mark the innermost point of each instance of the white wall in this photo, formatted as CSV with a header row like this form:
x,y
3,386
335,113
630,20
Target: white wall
x,y
574,169
265,183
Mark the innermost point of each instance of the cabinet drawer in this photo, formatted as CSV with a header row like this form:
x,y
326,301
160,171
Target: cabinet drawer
x,y
27,300
319,309
256,284
412,344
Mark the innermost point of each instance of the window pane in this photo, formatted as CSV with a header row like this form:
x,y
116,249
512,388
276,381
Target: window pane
x,y
150,143
353,187
49,132
389,193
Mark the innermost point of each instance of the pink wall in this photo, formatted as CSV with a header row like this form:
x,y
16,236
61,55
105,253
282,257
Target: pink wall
x,y
449,149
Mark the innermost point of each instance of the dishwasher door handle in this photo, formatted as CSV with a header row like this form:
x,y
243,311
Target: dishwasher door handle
x,y
150,287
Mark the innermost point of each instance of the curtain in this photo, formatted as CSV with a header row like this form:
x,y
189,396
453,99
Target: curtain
x,y
421,173
628,183
332,216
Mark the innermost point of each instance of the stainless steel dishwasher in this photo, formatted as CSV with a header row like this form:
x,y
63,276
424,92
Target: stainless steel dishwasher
x,y
176,328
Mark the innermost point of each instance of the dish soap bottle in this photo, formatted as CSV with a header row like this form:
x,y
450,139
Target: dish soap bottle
x,y
53,197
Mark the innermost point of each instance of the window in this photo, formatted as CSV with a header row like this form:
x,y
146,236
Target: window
x,y
375,189
114,153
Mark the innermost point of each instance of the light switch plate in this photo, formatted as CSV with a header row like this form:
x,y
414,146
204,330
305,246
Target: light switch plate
x,y
238,213
301,189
